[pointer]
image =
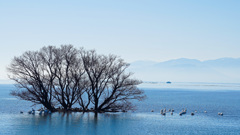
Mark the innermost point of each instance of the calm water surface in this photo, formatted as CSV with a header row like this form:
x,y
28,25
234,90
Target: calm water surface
x,y
213,99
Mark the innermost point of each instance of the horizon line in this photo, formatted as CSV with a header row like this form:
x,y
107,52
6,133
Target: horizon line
x,y
188,59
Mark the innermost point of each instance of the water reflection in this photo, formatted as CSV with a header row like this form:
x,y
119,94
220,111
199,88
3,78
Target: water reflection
x,y
142,122
109,123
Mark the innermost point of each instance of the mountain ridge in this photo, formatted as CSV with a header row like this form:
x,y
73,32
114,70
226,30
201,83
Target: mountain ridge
x,y
184,69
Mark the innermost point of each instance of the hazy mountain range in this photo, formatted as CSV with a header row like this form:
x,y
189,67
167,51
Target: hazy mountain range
x,y
224,70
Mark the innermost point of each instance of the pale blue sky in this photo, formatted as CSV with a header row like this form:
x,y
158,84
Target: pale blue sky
x,y
135,30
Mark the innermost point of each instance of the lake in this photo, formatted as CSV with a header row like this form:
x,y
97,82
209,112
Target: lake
x,y
199,97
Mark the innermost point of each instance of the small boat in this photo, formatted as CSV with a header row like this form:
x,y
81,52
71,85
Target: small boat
x,y
168,82
192,113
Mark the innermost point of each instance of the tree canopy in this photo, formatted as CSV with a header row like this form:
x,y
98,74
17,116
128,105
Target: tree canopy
x,y
63,77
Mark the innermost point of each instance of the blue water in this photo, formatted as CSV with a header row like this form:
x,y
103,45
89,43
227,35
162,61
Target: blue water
x,y
210,98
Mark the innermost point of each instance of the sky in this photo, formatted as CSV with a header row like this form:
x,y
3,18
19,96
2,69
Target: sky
x,y
155,30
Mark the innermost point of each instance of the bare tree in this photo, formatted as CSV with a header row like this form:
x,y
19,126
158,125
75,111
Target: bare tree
x,y
121,89
111,87
85,97
33,79
65,76
70,81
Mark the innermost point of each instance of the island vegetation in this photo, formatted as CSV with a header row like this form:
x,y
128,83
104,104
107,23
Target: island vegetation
x,y
69,79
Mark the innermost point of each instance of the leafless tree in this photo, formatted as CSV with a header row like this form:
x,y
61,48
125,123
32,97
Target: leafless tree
x,y
50,76
65,76
111,87
70,80
33,78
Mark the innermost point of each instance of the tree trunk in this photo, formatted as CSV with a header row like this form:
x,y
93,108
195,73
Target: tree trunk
x,y
49,107
96,106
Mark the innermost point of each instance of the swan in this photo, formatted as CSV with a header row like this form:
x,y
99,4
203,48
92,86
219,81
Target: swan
x,y
41,112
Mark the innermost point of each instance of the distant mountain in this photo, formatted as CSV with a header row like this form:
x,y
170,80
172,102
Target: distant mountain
x,y
223,62
190,70
183,62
